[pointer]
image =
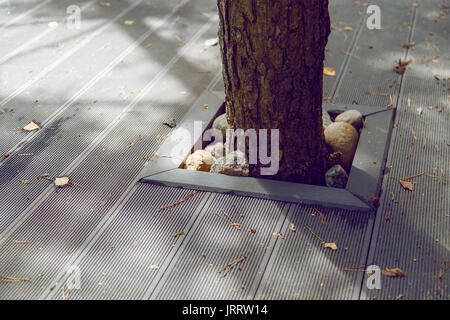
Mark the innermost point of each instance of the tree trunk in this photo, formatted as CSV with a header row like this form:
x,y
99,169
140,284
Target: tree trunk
x,y
273,54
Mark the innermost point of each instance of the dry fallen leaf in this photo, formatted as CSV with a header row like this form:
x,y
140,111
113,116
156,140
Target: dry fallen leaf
x,y
31,127
25,181
329,71
330,245
400,68
363,4
277,234
394,272
179,233
407,185
62,182
253,230
6,155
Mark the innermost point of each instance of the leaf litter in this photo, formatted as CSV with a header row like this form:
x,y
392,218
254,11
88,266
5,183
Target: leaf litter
x,y
178,202
329,71
329,245
400,68
409,185
60,182
231,221
230,266
12,279
32,126
393,273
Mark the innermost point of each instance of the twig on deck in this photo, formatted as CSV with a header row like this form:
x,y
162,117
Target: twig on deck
x,y
178,202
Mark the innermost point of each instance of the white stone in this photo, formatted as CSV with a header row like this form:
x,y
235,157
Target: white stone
x,y
233,164
200,160
216,149
353,117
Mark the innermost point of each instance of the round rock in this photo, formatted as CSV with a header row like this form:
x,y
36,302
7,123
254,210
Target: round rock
x,y
342,137
233,164
200,160
353,117
221,124
336,177
216,149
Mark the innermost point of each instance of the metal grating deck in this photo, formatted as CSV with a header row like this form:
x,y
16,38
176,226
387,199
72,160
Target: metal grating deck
x,y
101,94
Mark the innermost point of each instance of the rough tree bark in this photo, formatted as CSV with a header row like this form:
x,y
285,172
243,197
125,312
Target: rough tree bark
x,y
273,54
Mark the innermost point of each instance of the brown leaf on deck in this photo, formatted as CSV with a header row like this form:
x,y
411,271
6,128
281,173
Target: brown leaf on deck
x,y
329,71
62,182
400,68
394,272
407,185
330,245
31,127
277,234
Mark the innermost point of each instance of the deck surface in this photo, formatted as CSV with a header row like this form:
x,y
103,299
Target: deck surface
x,y
101,94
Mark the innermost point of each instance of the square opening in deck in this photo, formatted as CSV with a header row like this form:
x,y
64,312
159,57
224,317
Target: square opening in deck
x,y
361,192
